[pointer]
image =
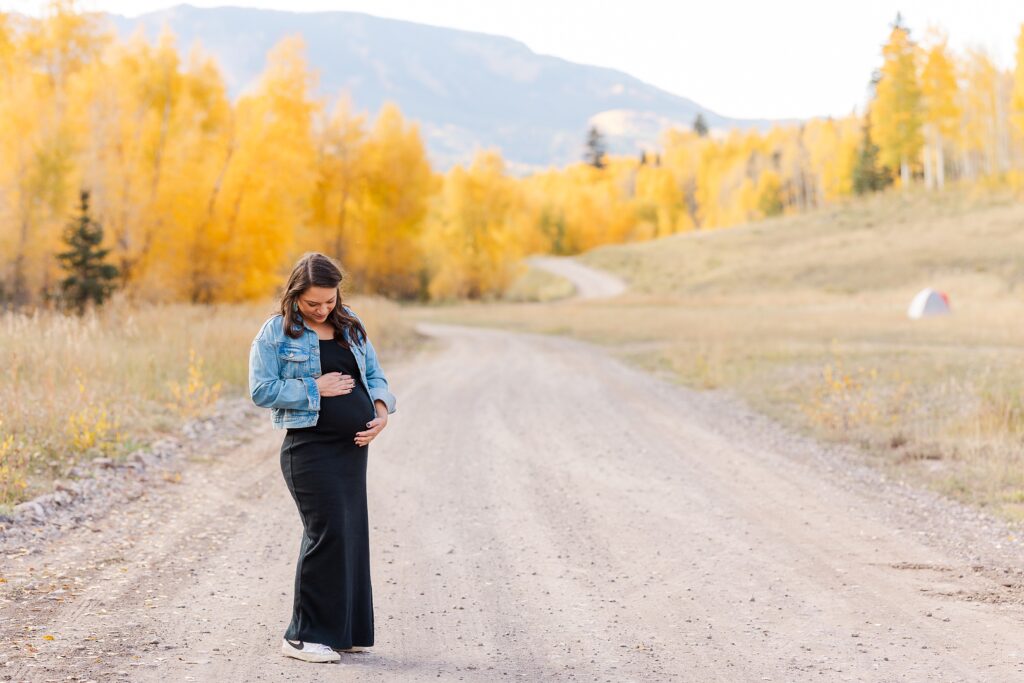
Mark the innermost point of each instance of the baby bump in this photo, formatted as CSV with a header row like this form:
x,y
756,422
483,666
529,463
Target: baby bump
x,y
346,414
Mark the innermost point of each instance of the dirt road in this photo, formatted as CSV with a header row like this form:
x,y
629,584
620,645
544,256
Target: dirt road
x,y
540,511
590,283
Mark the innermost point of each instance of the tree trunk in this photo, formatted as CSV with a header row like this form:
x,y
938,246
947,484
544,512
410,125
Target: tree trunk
x,y
940,165
929,176
340,235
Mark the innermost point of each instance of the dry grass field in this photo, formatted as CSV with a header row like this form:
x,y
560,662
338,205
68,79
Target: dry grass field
x,y
805,318
104,384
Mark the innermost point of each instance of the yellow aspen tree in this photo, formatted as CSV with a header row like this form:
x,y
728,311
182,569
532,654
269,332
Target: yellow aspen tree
x,y
155,156
386,257
832,151
984,150
743,202
539,219
841,175
563,207
780,152
15,127
821,138
748,162
801,184
941,112
582,207
596,206
709,179
681,156
1017,99
341,181
736,195
769,194
268,181
474,246
617,188
44,57
132,127
659,195
728,176
574,210
547,191
896,110
193,178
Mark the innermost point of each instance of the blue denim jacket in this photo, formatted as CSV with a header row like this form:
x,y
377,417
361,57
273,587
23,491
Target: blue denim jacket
x,y
283,372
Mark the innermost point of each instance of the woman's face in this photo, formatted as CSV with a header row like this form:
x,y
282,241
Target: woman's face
x,y
316,303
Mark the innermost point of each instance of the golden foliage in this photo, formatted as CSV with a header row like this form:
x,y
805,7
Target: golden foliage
x,y
474,241
93,425
12,471
194,396
206,200
896,119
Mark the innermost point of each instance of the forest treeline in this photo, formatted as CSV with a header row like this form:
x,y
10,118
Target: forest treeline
x,y
203,199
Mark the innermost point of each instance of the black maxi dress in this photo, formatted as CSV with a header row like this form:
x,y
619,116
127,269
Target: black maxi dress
x,y
326,474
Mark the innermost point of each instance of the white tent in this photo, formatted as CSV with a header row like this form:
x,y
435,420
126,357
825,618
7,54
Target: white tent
x,y
927,303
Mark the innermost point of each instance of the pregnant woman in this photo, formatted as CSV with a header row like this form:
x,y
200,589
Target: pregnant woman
x,y
314,367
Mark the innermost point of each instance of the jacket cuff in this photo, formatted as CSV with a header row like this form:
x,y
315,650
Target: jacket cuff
x,y
312,393
384,395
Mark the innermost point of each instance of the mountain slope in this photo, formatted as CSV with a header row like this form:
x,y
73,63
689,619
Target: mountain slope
x,y
466,89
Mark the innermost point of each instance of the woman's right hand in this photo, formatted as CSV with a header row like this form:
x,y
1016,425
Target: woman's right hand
x,y
335,384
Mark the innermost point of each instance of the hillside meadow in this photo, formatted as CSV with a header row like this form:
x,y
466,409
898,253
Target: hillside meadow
x,y
805,318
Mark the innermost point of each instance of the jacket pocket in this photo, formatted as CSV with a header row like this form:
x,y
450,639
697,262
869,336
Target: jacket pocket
x,y
294,361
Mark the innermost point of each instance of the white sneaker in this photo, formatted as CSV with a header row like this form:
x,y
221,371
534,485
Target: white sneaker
x,y
309,652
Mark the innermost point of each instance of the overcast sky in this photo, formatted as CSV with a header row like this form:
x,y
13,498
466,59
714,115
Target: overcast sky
x,y
776,59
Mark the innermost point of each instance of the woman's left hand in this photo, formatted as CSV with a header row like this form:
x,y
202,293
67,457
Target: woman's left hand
x,y
374,427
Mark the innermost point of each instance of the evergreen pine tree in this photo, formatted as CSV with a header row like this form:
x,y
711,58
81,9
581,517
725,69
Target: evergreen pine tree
x,y
595,148
867,175
700,126
89,278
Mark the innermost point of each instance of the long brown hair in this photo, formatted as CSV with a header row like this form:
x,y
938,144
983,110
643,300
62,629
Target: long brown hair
x,y
317,270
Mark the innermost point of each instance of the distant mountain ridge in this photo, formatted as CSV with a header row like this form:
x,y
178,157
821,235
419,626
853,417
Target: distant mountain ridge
x,y
467,90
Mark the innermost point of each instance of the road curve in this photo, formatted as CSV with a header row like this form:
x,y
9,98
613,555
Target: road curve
x,y
590,283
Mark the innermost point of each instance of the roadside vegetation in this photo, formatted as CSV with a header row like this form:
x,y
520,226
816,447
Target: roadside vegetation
x,y
114,379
